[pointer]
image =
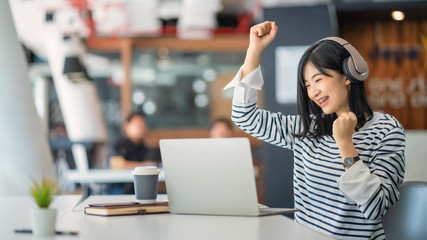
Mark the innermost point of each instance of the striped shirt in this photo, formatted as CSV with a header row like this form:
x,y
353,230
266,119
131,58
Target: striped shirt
x,y
340,204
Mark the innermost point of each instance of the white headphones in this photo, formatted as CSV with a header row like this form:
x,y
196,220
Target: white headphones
x,y
355,67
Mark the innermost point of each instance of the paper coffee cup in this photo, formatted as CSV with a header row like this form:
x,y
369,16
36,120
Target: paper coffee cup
x,y
145,183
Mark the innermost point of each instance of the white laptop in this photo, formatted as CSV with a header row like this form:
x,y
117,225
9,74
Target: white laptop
x,y
212,176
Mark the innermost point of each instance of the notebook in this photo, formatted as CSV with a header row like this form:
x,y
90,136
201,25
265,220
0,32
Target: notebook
x,y
213,176
126,208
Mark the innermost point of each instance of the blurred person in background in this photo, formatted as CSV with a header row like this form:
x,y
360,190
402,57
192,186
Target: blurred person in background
x,y
221,128
130,150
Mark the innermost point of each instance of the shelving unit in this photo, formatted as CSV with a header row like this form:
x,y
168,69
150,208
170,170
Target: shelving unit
x,y
218,43
126,45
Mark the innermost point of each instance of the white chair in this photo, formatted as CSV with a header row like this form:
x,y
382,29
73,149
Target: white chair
x,y
407,219
415,155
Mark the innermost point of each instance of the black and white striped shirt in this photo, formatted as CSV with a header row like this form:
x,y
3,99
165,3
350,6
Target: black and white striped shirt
x,y
344,205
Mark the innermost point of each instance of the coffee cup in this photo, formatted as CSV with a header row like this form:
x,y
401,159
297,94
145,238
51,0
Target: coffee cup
x,y
145,180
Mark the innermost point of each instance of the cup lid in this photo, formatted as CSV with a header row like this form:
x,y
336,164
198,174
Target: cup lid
x,y
145,170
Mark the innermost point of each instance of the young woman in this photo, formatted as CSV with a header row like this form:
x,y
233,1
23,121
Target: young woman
x,y
348,160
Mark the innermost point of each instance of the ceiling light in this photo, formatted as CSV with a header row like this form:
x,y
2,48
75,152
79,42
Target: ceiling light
x,y
398,15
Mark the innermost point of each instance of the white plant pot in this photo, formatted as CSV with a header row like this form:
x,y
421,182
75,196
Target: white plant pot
x,y
43,221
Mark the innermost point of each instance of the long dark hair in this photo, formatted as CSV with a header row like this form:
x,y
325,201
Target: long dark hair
x,y
327,55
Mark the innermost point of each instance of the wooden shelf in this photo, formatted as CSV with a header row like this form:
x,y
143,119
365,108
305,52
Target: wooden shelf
x,y
126,45
236,43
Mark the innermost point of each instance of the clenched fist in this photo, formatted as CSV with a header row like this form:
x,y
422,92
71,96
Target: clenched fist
x,y
344,127
261,35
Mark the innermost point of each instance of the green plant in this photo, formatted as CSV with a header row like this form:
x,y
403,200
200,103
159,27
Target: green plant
x,y
43,191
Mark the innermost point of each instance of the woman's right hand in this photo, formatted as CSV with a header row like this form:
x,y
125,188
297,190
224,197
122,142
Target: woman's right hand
x,y
260,36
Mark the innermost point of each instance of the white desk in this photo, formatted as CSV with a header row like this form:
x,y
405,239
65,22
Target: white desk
x,y
174,226
171,226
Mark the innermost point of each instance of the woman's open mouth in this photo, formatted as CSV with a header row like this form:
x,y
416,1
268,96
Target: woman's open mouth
x,y
322,102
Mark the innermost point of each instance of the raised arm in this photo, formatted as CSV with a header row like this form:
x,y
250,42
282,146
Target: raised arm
x,y
274,128
260,36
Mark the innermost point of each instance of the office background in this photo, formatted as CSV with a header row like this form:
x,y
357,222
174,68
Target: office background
x,y
176,75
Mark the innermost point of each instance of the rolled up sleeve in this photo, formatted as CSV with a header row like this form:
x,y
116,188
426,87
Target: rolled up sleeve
x,y
374,185
358,184
245,90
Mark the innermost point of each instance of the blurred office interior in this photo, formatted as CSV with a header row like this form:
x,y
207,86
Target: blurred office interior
x,y
172,58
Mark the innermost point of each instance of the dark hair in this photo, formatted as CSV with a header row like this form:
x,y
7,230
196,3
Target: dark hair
x,y
135,114
226,121
327,55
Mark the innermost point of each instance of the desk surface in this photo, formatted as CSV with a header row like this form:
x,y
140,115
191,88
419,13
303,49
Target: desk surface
x,y
164,226
15,213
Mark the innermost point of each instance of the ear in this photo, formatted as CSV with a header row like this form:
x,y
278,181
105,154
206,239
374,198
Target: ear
x,y
347,82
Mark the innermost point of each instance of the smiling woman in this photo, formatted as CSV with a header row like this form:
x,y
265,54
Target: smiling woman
x,y
348,160
326,89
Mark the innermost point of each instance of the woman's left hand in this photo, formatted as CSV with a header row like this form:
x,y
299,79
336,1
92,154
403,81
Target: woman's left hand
x,y
344,127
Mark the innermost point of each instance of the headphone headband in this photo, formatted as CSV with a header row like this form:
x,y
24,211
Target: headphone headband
x,y
355,67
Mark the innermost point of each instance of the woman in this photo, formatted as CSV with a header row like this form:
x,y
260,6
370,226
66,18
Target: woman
x,y
348,160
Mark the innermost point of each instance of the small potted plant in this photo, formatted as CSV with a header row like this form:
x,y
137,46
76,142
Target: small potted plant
x,y
43,218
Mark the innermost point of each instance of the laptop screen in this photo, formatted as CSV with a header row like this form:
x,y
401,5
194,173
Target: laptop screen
x,y
209,176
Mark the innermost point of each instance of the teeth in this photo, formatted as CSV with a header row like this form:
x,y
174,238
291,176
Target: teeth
x,y
323,99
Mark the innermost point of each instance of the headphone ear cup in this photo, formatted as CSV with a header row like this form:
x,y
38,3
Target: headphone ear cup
x,y
351,73
348,69
355,67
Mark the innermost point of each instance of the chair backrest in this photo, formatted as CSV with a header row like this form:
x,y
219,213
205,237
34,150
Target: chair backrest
x,y
415,155
407,219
